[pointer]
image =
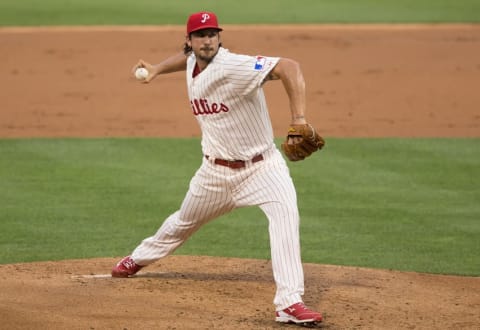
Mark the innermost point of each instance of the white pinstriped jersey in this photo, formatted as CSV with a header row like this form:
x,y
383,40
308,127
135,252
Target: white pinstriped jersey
x,y
228,101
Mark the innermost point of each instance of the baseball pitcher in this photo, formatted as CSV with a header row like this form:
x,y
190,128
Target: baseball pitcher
x,y
241,165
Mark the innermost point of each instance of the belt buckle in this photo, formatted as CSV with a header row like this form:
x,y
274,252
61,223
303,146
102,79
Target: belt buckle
x,y
235,163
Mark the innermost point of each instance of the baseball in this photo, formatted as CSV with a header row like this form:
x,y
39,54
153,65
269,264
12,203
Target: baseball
x,y
141,73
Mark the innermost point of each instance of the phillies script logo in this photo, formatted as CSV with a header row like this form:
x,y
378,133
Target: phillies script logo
x,y
202,107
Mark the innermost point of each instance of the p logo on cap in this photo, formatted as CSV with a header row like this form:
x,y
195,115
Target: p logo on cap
x,y
202,20
205,18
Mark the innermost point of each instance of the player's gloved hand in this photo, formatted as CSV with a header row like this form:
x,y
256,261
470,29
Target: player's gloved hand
x,y
301,142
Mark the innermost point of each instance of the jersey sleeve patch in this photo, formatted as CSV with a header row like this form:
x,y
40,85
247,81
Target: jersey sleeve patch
x,y
260,63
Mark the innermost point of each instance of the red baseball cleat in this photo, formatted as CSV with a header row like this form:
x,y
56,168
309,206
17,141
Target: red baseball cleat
x,y
299,314
125,268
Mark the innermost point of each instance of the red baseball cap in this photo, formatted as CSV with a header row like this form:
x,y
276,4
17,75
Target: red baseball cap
x,y
202,20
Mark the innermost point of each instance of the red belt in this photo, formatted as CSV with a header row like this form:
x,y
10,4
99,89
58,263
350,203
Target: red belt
x,y
235,163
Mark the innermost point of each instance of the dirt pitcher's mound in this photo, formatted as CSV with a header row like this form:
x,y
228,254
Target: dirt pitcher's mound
x,y
182,292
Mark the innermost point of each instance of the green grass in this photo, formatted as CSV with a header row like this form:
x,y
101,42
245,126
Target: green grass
x,y
80,198
406,204
107,12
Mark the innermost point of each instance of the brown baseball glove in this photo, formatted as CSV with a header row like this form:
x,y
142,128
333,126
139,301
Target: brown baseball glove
x,y
301,142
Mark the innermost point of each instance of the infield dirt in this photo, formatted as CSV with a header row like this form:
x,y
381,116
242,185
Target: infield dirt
x,y
362,81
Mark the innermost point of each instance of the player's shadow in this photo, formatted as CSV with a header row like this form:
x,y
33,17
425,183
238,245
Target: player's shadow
x,y
247,277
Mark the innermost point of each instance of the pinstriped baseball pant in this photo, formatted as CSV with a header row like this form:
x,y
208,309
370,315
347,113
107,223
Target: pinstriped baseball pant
x,y
215,190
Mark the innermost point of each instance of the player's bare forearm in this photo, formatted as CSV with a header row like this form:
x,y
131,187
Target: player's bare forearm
x,y
289,72
175,63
